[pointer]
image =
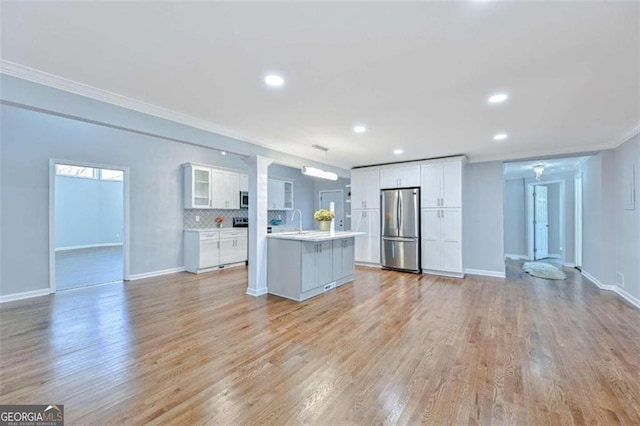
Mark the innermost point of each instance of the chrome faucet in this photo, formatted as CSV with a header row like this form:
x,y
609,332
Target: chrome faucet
x,y
300,219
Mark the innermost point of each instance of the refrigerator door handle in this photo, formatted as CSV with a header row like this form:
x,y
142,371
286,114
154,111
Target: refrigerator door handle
x,y
401,239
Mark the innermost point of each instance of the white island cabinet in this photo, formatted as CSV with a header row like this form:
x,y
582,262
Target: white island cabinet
x,y
303,265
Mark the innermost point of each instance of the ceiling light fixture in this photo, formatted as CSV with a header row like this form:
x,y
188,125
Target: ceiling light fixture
x,y
359,129
312,171
274,80
500,137
498,98
398,151
538,169
223,153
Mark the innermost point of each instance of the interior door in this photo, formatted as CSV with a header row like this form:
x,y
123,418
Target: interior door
x,y
326,198
541,223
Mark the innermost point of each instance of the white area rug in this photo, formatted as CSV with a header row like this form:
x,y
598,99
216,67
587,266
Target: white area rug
x,y
544,270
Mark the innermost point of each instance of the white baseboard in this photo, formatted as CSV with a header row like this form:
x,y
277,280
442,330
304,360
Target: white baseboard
x,y
517,256
497,274
86,246
555,255
569,265
620,291
443,273
25,295
134,277
370,265
256,292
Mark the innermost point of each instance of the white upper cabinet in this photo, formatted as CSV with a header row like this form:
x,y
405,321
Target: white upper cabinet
x,y
442,184
197,187
400,177
210,188
279,195
365,189
225,189
244,182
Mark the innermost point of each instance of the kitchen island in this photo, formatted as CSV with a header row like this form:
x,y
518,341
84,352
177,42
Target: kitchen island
x,y
306,264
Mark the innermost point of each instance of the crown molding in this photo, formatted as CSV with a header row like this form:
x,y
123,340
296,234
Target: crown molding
x,y
56,82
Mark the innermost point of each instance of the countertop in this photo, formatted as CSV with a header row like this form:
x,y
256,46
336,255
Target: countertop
x,y
314,235
230,228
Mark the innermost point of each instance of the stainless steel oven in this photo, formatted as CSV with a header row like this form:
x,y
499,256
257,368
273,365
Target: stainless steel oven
x,y
244,199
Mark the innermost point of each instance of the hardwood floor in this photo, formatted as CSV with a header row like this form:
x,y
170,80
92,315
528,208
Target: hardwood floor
x,y
390,348
88,266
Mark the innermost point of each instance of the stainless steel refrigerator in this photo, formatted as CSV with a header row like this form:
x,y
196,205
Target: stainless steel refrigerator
x,y
400,245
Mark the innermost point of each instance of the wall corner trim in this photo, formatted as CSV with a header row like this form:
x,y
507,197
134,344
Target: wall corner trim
x,y
497,274
256,292
24,295
134,277
621,292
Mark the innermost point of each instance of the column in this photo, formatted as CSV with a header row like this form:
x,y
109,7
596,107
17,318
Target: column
x,y
258,184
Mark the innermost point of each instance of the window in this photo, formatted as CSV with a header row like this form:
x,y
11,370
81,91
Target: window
x,y
115,175
76,171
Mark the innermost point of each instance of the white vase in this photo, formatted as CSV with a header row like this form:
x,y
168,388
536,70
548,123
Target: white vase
x,y
325,225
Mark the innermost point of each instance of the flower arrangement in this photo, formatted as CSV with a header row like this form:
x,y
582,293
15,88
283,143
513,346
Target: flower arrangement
x,y
323,215
219,220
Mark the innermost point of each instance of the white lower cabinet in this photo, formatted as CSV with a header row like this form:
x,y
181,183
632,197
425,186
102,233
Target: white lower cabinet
x,y
442,240
207,249
367,247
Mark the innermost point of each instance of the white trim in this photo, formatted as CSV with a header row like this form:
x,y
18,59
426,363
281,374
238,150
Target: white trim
x,y
50,80
86,246
620,291
24,295
555,255
497,274
151,274
368,265
629,298
597,282
256,292
443,273
517,256
569,265
52,221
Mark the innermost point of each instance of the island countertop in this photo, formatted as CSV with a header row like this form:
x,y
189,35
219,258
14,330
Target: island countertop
x,y
314,235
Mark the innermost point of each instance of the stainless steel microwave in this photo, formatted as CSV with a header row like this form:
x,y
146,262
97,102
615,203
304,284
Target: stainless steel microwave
x,y
244,199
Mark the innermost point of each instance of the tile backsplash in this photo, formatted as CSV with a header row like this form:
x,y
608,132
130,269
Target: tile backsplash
x,y
208,216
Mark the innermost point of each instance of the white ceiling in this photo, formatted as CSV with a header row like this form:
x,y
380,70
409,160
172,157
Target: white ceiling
x,y
524,169
416,74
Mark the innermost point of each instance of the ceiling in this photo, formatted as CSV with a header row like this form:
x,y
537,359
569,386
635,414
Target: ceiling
x,y
417,75
524,169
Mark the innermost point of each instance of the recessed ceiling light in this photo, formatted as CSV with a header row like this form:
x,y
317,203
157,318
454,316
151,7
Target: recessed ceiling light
x,y
359,129
274,80
500,137
498,98
223,153
398,151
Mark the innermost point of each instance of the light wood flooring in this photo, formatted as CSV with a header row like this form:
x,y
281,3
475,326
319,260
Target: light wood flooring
x,y
390,348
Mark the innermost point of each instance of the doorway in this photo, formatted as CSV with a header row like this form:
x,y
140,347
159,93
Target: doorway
x,y
337,197
88,219
545,223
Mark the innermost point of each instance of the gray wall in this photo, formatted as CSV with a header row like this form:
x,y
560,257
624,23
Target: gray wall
x,y
626,157
599,222
515,227
30,139
482,223
302,193
88,211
